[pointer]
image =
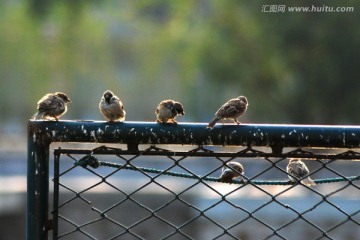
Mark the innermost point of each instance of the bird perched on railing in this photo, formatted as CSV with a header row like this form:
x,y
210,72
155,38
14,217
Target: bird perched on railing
x,y
232,109
167,111
232,170
111,107
297,170
52,106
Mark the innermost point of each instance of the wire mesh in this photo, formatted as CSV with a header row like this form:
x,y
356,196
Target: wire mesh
x,y
174,192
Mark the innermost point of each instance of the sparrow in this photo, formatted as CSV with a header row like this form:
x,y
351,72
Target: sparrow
x,y
111,107
232,170
167,111
296,170
232,109
52,105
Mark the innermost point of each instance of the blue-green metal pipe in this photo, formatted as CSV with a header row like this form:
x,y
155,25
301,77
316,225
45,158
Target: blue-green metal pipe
x,y
197,134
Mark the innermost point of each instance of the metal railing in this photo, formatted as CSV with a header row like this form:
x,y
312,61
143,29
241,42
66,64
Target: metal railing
x,y
152,181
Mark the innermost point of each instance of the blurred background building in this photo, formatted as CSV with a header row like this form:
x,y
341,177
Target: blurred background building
x,y
295,68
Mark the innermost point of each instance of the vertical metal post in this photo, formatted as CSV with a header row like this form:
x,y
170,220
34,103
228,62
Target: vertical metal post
x,y
37,187
56,194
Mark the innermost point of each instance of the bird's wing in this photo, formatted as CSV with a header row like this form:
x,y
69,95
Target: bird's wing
x,y
229,109
227,175
301,170
49,102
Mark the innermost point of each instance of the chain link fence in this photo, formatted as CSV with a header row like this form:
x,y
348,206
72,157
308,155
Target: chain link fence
x,y
159,189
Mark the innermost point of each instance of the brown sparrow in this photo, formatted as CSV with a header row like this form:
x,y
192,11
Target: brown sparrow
x,y
167,111
296,170
232,109
111,107
232,170
52,105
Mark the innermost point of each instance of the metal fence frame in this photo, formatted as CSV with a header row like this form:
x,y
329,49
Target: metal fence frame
x,y
42,133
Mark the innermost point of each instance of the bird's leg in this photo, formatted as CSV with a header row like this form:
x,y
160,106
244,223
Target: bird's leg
x,y
161,121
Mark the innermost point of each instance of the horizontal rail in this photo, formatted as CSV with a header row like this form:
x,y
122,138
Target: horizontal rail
x,y
272,135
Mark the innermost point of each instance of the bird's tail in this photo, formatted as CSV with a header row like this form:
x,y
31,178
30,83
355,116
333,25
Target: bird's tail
x,y
308,182
213,122
38,115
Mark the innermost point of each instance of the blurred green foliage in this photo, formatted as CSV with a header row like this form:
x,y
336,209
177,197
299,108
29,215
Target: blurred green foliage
x,y
293,67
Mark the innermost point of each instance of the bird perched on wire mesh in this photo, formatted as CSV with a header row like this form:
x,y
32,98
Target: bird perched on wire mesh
x,y
297,170
52,106
232,109
232,170
167,111
111,107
